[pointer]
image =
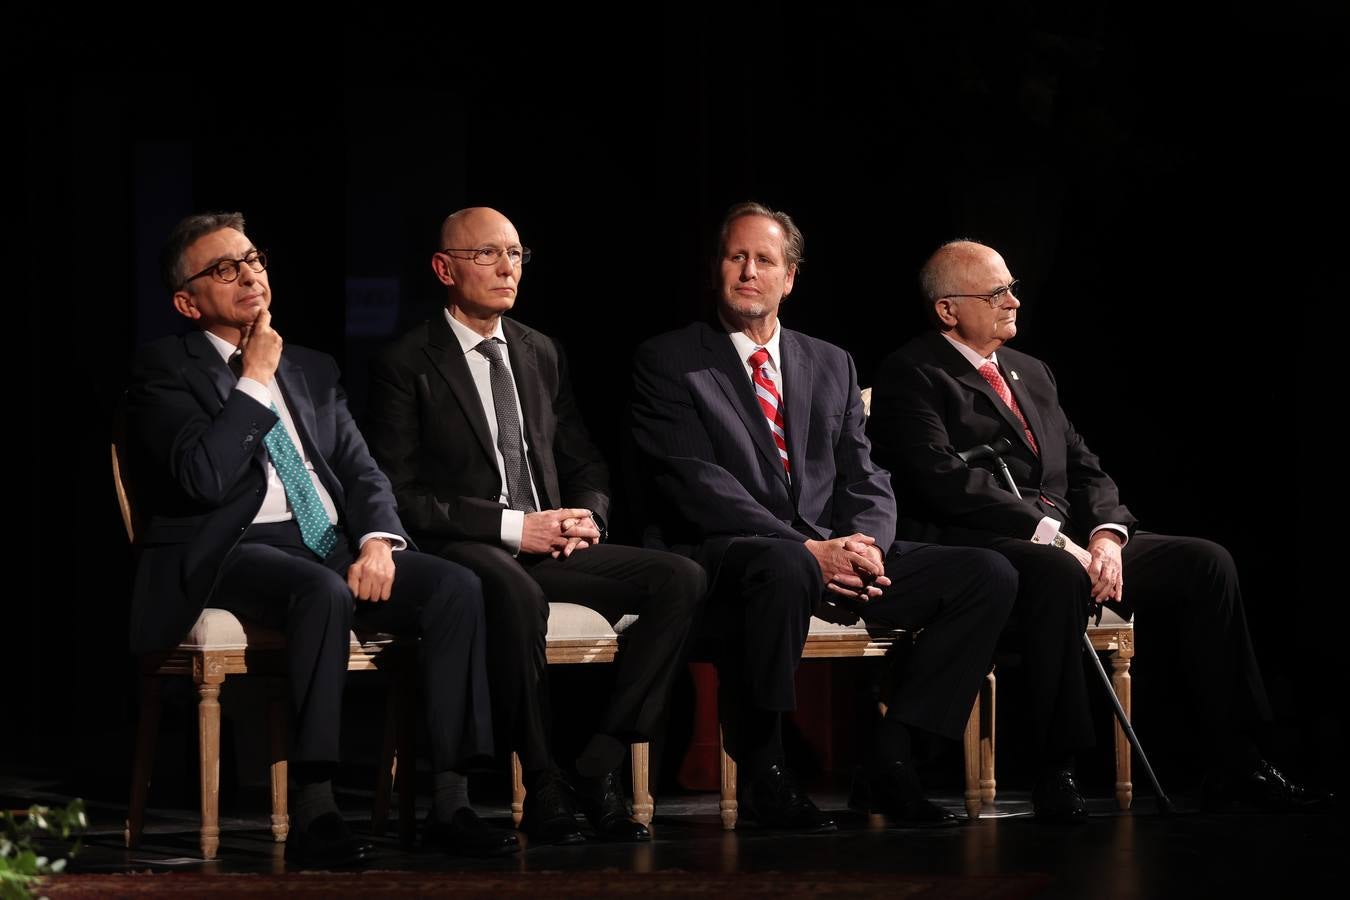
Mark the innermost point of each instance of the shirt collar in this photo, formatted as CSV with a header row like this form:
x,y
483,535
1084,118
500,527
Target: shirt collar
x,y
971,356
467,337
745,346
223,347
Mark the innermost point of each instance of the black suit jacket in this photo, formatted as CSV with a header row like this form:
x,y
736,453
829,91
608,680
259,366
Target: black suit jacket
x,y
712,458
929,404
198,470
429,431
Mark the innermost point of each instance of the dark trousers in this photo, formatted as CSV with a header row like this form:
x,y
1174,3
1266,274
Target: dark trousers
x,y
766,589
663,590
1190,615
272,577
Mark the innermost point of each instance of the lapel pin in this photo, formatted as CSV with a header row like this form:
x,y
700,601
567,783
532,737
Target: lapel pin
x,y
1013,373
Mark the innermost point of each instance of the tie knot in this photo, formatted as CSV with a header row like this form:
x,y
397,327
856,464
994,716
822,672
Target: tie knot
x,y
236,363
490,349
759,357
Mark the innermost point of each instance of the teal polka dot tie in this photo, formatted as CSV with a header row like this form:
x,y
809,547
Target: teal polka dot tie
x,y
318,533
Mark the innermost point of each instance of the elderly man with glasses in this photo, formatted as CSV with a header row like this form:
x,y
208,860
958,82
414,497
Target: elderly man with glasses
x,y
473,417
1069,536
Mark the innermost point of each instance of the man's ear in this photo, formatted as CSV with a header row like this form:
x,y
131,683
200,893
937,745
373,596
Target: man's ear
x,y
945,311
183,302
440,265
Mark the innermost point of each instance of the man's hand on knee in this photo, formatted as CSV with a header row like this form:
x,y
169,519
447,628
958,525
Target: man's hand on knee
x,y
851,566
371,577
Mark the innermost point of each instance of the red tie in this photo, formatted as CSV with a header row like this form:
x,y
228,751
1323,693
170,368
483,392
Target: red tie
x,y
995,378
769,402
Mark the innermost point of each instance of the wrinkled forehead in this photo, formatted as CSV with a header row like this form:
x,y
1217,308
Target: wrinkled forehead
x,y
226,243
978,268
481,229
756,234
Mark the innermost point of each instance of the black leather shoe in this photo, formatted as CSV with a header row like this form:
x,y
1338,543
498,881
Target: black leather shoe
x,y
549,817
602,800
1262,789
326,843
468,835
1055,798
894,790
777,801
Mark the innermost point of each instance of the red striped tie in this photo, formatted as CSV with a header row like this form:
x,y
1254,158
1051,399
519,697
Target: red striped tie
x,y
769,402
995,378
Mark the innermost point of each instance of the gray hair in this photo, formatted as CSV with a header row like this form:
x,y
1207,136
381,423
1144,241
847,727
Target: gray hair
x,y
184,235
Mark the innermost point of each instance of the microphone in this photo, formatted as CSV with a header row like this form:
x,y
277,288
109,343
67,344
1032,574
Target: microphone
x,y
986,451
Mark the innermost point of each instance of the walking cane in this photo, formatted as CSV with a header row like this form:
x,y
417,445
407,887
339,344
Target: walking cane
x,y
994,452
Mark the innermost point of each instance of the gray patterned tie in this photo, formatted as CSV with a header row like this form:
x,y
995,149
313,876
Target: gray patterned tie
x,y
509,439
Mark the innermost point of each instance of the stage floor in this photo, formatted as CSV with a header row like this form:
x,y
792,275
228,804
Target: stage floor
x,y
1113,855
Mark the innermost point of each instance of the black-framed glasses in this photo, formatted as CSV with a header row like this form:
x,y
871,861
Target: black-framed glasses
x,y
489,256
227,270
998,299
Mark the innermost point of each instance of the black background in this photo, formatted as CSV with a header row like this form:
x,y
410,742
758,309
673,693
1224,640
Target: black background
x,y
1167,187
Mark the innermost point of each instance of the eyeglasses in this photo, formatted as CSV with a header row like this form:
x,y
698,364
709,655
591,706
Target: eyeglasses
x,y
227,270
998,299
488,256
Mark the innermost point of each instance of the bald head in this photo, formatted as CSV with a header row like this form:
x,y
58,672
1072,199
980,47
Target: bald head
x,y
950,267
459,227
479,262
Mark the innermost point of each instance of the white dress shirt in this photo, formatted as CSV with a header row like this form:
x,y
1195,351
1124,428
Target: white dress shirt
x,y
513,520
275,506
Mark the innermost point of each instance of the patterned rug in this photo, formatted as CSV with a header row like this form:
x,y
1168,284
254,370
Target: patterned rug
x,y
548,885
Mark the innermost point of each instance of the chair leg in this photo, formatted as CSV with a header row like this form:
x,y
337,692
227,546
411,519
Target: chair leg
x,y
728,804
277,705
643,807
146,732
988,786
517,790
405,775
1120,681
387,770
208,753
971,746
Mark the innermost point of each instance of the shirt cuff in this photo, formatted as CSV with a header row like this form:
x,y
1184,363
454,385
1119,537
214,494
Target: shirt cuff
x,y
397,541
1118,529
255,389
513,529
1046,530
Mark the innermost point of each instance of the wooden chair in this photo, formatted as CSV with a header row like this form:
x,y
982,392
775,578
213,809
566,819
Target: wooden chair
x,y
578,634
220,645
1113,637
830,640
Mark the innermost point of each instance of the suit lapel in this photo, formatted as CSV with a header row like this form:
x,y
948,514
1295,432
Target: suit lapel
x,y
797,367
1024,403
960,368
526,372
295,388
524,356
732,377
199,346
447,357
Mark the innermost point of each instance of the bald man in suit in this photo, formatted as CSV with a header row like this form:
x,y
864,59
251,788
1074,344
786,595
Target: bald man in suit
x,y
472,415
1070,537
